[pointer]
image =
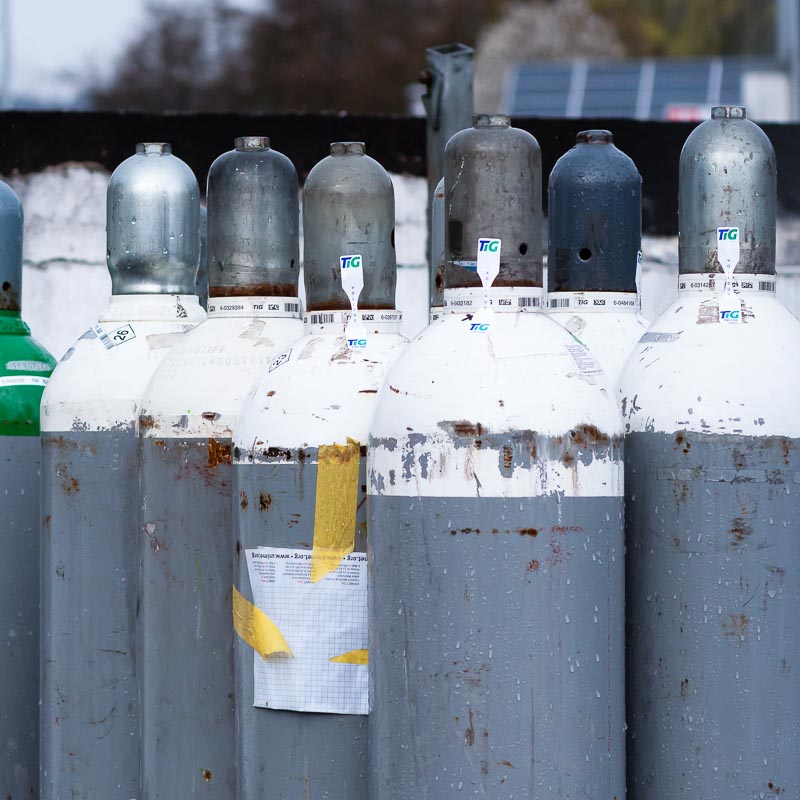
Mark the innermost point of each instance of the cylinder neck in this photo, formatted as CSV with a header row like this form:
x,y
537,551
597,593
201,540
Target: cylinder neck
x,y
253,222
348,225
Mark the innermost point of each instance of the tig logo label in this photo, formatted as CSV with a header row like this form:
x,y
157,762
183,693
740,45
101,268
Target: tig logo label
x,y
488,245
729,316
356,342
350,262
728,234
479,326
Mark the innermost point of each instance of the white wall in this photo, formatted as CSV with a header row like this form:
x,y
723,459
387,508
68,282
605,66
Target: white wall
x,y
66,285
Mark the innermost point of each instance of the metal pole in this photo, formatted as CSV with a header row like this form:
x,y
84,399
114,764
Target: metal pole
x,y
449,107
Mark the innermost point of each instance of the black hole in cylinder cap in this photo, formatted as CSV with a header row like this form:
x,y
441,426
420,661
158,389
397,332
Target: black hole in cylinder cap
x,y
6,286
523,248
393,238
585,254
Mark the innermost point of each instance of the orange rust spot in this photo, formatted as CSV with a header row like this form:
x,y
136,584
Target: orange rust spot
x,y
589,435
741,529
47,520
506,764
528,532
243,499
264,501
218,453
735,626
567,460
465,428
533,565
469,734
271,393
159,443
508,457
70,485
684,688
207,775
676,541
146,422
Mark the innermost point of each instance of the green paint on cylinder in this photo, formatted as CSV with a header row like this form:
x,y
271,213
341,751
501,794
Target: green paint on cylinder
x,y
25,367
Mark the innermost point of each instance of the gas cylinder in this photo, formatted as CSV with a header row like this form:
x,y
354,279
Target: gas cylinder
x,y
300,595
25,367
495,520
711,472
90,481
188,415
594,249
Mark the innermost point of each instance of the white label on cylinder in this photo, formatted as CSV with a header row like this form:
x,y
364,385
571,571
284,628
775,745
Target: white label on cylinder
x,y
23,380
728,257
352,283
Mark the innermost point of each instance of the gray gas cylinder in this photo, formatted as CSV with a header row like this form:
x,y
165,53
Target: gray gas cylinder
x,y
495,522
711,472
594,249
188,414
90,478
300,596
25,367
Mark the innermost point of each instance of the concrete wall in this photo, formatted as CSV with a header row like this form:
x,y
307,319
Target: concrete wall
x,y
66,285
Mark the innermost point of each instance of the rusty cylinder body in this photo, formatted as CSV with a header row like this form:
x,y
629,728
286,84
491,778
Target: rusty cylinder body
x,y
299,502
91,647
24,370
712,502
494,479
188,414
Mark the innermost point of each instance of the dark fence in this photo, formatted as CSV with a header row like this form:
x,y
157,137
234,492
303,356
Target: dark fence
x,y
32,140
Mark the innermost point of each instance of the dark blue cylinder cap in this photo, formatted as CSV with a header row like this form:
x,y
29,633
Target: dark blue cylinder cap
x,y
10,249
595,218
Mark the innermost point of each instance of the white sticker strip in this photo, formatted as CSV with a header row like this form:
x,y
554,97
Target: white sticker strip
x,y
614,302
28,366
583,359
728,256
740,282
488,265
22,380
254,307
639,261
352,272
369,318
500,299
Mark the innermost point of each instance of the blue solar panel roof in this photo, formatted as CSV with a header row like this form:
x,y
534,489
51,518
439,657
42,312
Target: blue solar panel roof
x,y
647,89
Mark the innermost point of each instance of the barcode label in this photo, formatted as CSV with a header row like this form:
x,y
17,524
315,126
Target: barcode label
x,y
559,302
292,308
104,338
527,302
322,319
766,286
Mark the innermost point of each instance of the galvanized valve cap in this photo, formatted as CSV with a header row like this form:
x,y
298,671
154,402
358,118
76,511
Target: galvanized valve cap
x,y
153,223
595,218
10,249
253,222
348,209
727,180
493,188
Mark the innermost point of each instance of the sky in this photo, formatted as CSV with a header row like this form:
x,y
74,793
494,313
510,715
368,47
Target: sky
x,y
57,44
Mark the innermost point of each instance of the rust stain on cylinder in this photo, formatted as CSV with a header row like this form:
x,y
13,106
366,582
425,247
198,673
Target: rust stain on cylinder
x,y
218,453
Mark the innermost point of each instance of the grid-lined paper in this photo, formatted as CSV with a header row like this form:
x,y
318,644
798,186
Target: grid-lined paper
x,y
319,621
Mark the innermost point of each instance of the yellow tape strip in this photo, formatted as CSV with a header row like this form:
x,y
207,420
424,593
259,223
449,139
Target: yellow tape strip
x,y
352,657
256,628
335,510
